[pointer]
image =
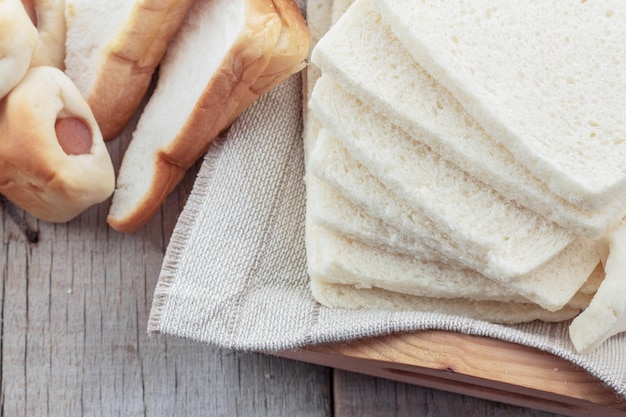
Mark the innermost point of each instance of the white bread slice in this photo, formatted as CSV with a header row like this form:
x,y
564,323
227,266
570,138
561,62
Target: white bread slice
x,y
230,44
606,315
513,240
331,211
36,171
112,50
550,286
318,20
18,40
541,77
361,53
349,297
331,163
345,261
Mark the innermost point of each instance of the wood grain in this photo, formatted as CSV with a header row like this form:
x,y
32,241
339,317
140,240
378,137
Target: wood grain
x,y
358,395
476,366
74,306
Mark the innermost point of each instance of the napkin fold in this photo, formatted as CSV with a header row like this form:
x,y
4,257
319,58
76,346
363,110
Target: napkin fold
x,y
234,274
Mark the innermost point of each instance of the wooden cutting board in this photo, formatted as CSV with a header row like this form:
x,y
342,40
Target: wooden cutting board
x,y
476,366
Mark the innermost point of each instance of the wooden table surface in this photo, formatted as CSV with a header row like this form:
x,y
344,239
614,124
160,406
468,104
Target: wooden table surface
x,y
75,300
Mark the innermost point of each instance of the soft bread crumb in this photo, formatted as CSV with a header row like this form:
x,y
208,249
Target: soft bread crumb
x,y
362,54
562,116
606,314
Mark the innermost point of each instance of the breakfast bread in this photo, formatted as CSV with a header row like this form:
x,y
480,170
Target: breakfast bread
x,y
112,50
233,42
53,161
362,54
512,239
347,296
541,77
551,285
342,220
18,40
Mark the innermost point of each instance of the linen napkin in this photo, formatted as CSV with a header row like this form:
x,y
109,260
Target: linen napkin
x,y
234,274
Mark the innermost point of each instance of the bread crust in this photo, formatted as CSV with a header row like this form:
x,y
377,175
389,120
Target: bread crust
x,y
35,172
129,61
288,57
273,44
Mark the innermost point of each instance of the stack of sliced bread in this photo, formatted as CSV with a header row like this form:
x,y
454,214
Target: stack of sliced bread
x,y
457,164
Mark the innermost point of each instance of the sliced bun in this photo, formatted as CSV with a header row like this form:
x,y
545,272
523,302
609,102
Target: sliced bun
x,y
47,165
112,50
17,44
237,47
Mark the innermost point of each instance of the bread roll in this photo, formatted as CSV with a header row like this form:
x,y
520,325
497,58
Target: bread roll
x,y
18,39
53,161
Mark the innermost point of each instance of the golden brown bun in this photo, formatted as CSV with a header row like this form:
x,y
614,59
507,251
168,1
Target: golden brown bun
x,y
272,46
35,172
128,62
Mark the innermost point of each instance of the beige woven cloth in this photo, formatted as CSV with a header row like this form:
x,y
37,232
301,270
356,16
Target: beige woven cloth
x,y
234,274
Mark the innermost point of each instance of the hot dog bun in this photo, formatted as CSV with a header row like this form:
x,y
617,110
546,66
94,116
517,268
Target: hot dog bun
x,y
53,161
